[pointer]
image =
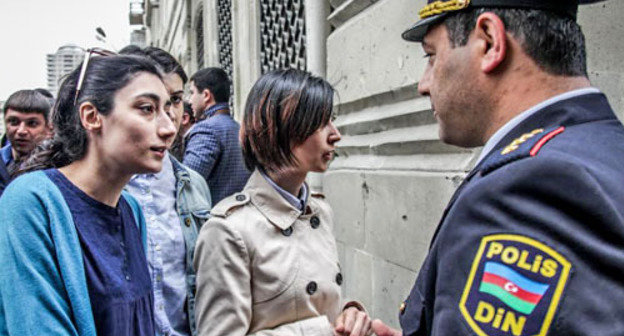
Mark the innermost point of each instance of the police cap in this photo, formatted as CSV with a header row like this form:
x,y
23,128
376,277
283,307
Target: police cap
x,y
436,10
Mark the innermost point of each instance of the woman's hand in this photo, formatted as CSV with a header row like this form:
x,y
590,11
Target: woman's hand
x,y
381,329
352,322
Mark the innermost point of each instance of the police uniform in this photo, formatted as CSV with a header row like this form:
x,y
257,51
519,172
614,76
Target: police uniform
x,y
532,243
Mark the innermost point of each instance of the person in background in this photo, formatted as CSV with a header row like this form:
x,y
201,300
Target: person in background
x,y
266,260
47,94
212,148
176,202
532,242
5,178
188,120
26,121
72,242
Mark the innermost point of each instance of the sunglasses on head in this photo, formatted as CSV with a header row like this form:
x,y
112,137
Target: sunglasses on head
x,y
85,64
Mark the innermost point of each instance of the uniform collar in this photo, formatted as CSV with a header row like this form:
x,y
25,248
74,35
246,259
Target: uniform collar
x,y
502,132
273,205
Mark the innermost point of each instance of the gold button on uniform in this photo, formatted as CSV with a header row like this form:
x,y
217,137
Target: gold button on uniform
x,y
402,307
187,222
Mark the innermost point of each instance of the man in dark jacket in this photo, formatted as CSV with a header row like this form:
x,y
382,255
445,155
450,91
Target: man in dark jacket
x,y
212,146
532,242
4,177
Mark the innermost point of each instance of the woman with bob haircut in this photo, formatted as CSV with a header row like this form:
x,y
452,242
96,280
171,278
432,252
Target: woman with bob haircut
x,y
266,261
72,244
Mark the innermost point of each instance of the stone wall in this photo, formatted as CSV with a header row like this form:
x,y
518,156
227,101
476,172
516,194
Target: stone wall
x,y
169,28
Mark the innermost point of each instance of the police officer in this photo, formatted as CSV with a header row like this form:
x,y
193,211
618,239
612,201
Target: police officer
x,y
532,243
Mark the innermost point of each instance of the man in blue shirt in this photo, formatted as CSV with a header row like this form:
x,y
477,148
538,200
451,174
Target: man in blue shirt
x,y
26,120
212,148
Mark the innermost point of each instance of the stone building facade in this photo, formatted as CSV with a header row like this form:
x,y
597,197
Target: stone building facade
x,y
392,177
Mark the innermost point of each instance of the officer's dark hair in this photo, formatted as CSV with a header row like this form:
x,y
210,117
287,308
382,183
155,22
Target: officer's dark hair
x,y
104,77
167,62
283,109
555,42
29,101
215,80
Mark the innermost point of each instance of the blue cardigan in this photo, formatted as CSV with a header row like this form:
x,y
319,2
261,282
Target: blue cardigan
x,y
43,288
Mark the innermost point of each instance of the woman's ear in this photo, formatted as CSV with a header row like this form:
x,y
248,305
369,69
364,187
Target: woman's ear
x,y
90,117
490,30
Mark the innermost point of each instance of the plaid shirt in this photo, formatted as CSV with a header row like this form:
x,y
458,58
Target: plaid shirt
x,y
213,150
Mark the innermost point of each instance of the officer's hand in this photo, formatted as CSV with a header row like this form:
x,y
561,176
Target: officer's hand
x,y
380,329
352,322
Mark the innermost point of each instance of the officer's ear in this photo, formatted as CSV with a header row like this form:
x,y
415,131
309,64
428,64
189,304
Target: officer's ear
x,y
492,41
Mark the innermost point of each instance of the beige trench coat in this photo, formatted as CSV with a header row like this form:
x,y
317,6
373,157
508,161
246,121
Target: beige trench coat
x,y
264,268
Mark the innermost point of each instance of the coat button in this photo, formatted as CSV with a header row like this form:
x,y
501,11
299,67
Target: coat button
x,y
339,279
402,307
315,222
311,288
240,198
187,222
287,232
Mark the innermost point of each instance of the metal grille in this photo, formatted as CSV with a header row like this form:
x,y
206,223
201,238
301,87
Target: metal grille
x,y
282,33
224,19
199,29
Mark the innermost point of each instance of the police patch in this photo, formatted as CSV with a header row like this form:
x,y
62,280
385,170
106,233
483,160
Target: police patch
x,y
514,287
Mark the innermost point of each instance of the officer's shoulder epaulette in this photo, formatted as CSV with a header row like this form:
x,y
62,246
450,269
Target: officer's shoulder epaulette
x,y
230,204
528,144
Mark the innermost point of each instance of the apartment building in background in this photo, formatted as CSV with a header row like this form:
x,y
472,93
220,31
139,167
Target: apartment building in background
x,y
61,63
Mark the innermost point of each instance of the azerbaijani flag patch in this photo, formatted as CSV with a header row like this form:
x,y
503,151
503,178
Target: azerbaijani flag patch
x,y
514,287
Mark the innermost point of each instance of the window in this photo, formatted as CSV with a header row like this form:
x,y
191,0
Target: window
x,y
282,34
